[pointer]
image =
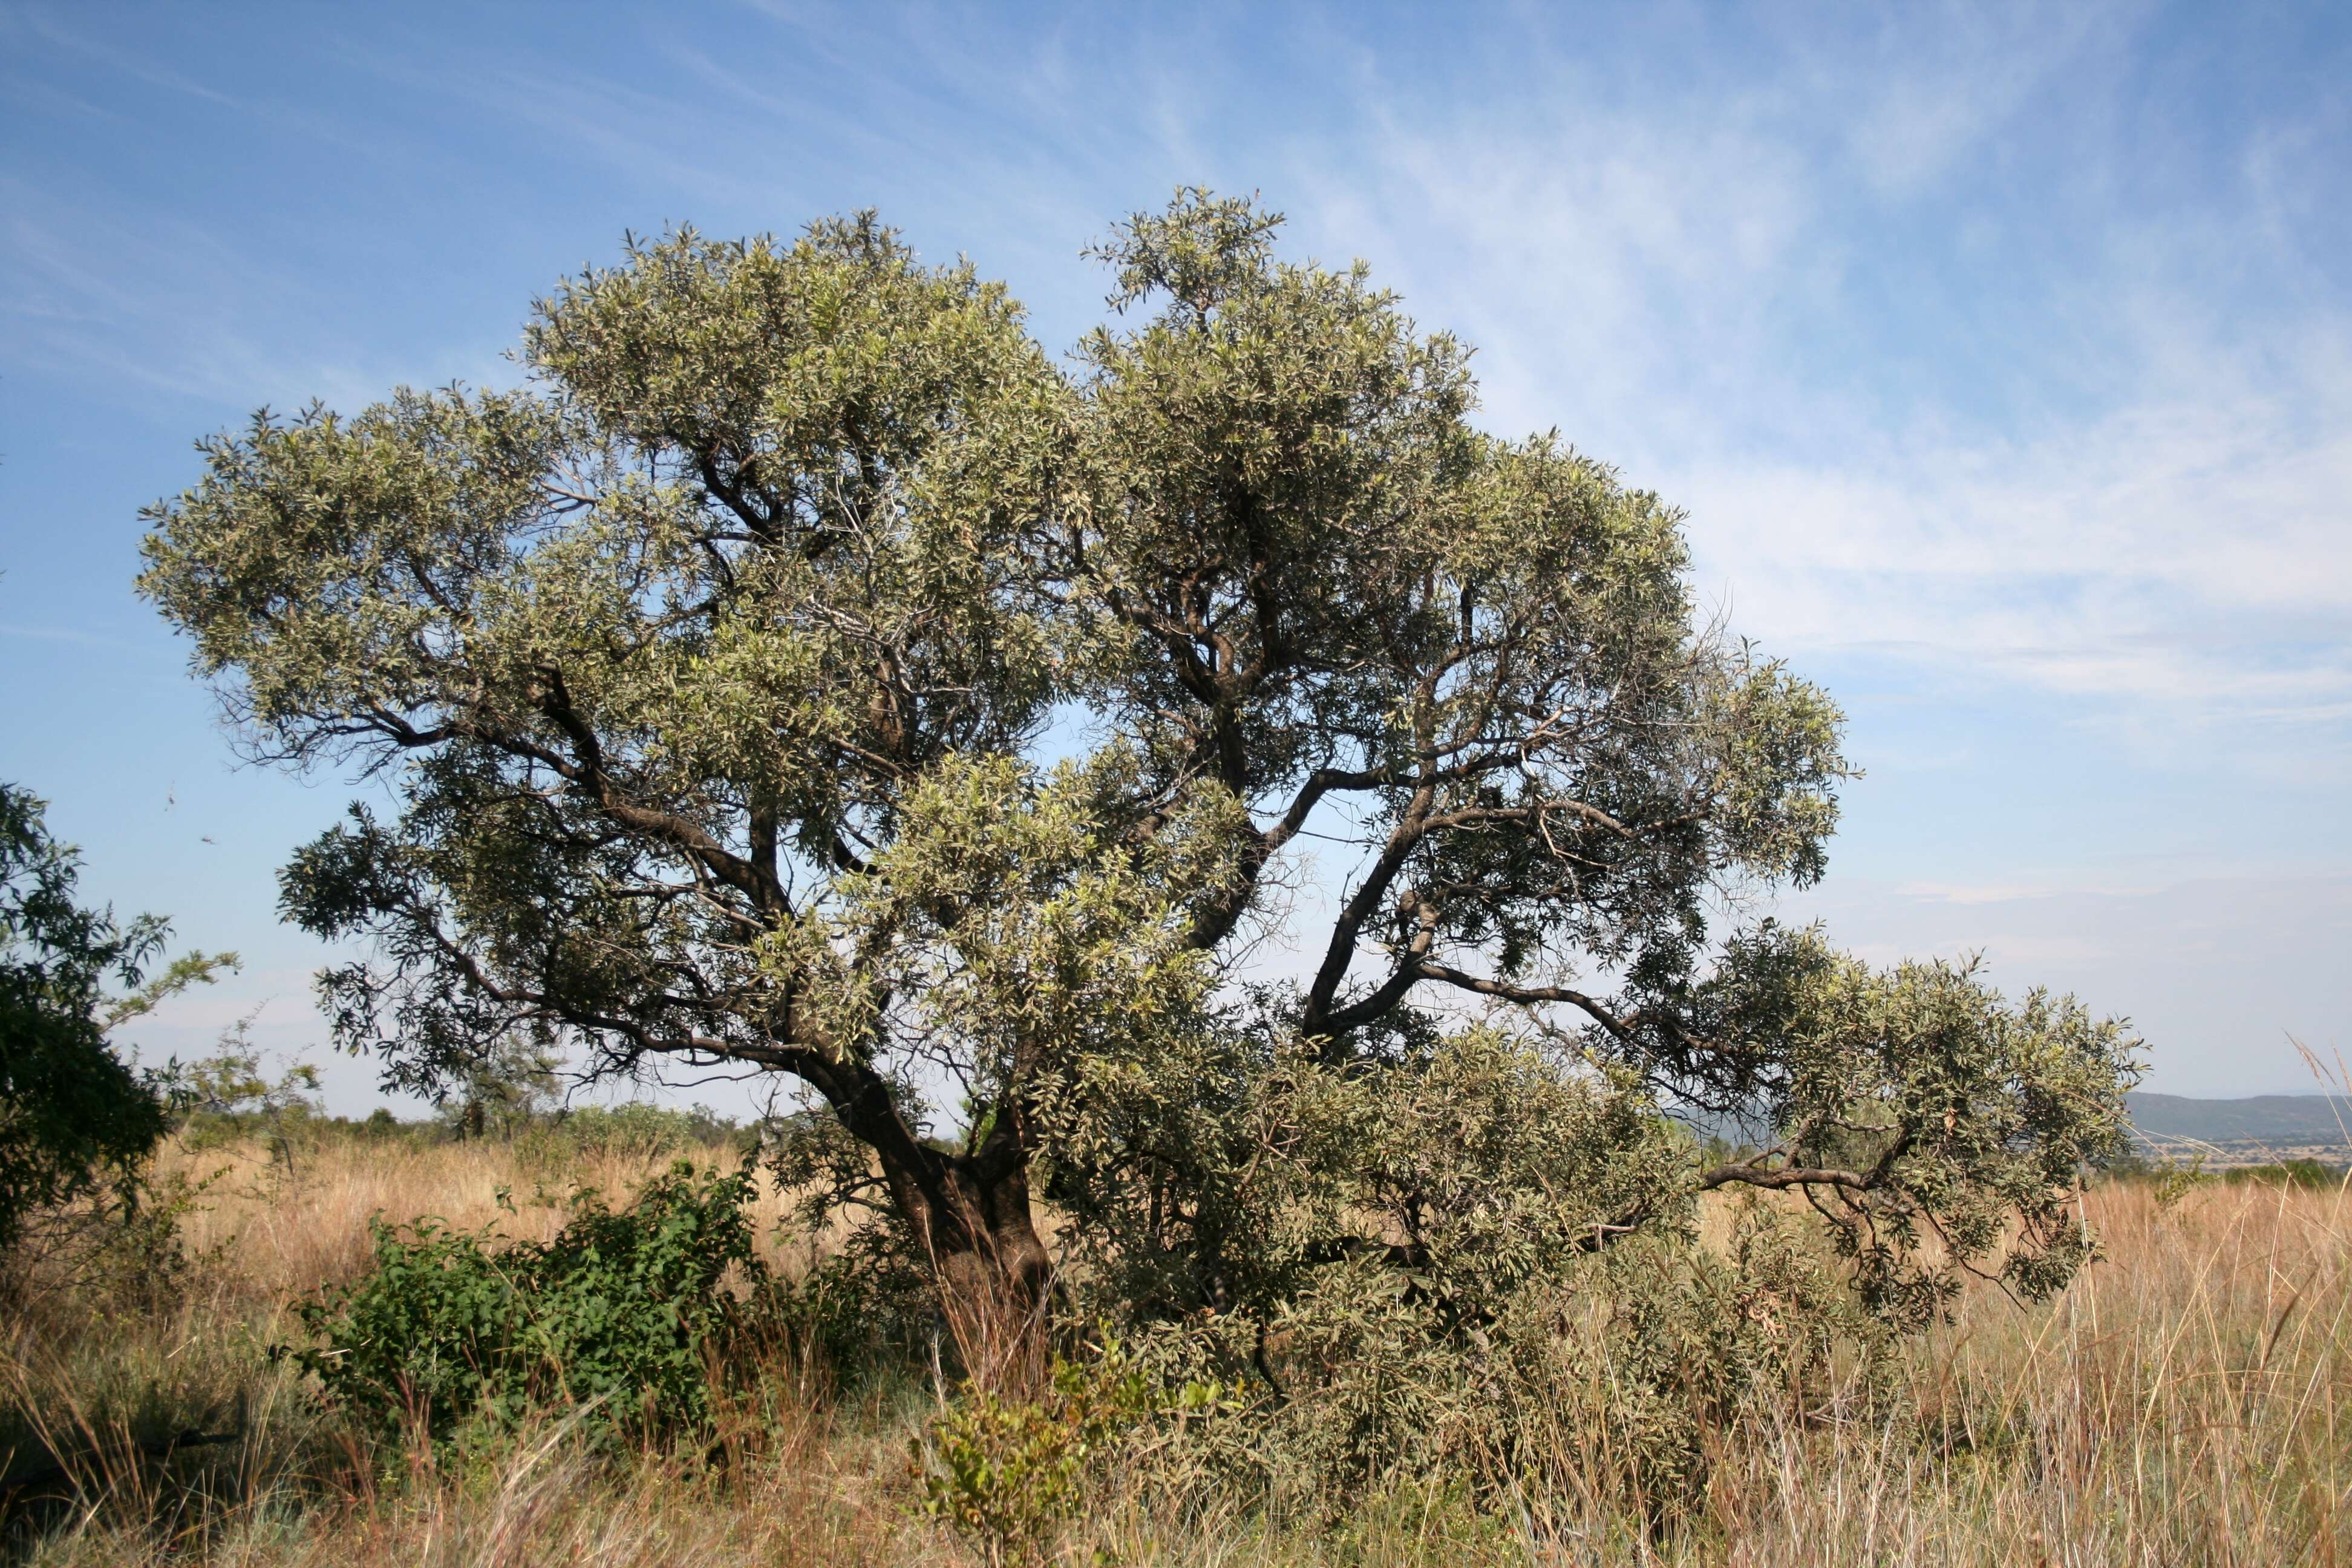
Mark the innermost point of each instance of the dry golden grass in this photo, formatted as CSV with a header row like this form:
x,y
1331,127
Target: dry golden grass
x,y
282,1229
2190,1401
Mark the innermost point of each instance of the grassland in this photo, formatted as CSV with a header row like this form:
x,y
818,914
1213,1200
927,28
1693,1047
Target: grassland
x,y
2189,1403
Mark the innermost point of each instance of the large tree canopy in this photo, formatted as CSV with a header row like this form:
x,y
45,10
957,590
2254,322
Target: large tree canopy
x,y
802,670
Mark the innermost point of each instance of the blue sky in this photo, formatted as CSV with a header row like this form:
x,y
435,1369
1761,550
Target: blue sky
x,y
2002,359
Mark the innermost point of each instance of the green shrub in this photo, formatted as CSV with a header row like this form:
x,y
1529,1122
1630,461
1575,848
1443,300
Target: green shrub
x,y
623,1313
1006,1473
865,1302
861,1314
379,1127
227,1098
1610,1377
1472,1268
114,1251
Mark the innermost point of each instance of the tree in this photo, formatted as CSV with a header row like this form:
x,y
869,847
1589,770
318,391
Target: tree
x,y
718,670
230,1088
510,1083
75,1119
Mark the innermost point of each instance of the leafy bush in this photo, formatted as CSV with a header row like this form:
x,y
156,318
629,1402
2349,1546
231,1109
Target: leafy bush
x,y
1008,1472
868,1301
1472,1265
864,1312
381,1126
111,1250
1612,1375
624,1312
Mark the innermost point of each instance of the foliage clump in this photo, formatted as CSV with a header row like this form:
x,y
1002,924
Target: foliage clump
x,y
1008,1471
79,1122
229,1097
624,1313
1463,1265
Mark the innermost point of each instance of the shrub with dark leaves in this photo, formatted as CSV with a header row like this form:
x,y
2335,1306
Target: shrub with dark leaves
x,y
625,1313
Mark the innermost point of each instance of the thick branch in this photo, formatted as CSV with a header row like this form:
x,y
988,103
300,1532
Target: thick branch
x,y
1778,1176
587,770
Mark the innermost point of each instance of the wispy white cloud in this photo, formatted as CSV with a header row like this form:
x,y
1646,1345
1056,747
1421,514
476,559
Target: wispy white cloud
x,y
2215,972
105,47
171,305
65,634
1930,83
2144,505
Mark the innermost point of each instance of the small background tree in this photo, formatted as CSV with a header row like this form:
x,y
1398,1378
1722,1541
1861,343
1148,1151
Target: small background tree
x,y
502,1091
78,1121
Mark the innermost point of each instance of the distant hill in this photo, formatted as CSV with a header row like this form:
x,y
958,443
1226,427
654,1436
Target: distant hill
x,y
2286,1120
2283,1121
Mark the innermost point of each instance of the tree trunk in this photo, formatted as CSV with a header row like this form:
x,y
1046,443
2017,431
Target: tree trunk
x,y
993,1270
971,1214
